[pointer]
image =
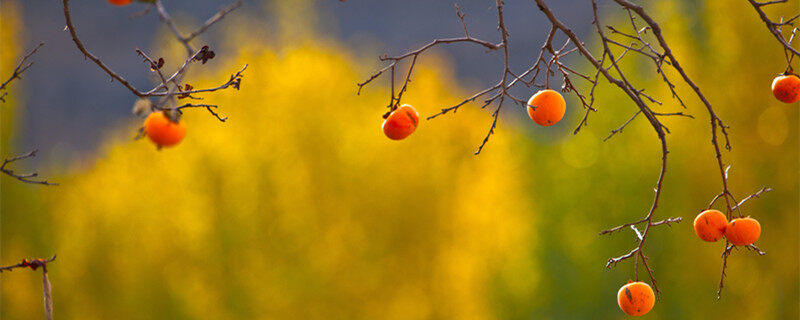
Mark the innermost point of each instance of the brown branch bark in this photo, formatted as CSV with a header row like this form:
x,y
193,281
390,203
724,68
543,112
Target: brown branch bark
x,y
19,70
24,177
47,288
170,88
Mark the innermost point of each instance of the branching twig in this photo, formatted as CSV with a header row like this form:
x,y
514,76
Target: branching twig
x,y
92,57
24,177
725,254
235,82
172,87
208,107
502,87
214,19
47,290
645,40
776,29
548,62
21,68
728,246
755,195
652,224
33,264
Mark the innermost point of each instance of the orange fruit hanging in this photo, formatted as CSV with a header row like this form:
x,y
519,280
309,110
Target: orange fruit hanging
x,y
710,225
401,123
120,2
162,130
546,107
743,231
786,88
636,298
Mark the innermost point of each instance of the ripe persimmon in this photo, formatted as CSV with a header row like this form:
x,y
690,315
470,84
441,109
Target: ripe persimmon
x,y
162,130
401,122
546,107
786,88
743,231
120,2
710,225
636,298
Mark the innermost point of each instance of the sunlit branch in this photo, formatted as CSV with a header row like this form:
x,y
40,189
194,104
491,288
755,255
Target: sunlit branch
x,y
775,28
645,39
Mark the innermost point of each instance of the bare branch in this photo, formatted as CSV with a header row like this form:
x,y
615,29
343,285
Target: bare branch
x,y
214,19
165,17
46,287
170,87
234,82
90,56
19,70
208,107
728,246
24,177
25,263
645,39
755,195
725,254
775,28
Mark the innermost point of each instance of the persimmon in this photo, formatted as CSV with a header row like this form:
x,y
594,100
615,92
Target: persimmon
x,y
401,122
710,225
743,231
636,298
162,130
546,107
120,2
786,88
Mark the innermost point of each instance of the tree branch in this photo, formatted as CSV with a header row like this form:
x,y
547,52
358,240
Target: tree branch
x,y
24,177
18,71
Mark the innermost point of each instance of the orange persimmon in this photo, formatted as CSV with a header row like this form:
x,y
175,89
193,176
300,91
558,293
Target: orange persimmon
x,y
710,225
636,298
401,122
546,107
162,130
786,88
120,2
743,231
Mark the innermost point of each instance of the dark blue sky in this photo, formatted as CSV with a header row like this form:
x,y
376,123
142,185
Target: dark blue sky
x,y
70,105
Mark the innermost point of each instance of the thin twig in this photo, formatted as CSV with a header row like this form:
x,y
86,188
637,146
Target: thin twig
x,y
21,68
47,288
170,87
24,177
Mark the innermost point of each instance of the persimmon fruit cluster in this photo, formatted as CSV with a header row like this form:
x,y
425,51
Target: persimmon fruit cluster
x,y
636,298
711,225
163,130
401,123
120,2
546,107
786,88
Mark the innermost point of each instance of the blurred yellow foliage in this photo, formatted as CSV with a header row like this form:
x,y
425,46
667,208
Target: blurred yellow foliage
x,y
296,207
